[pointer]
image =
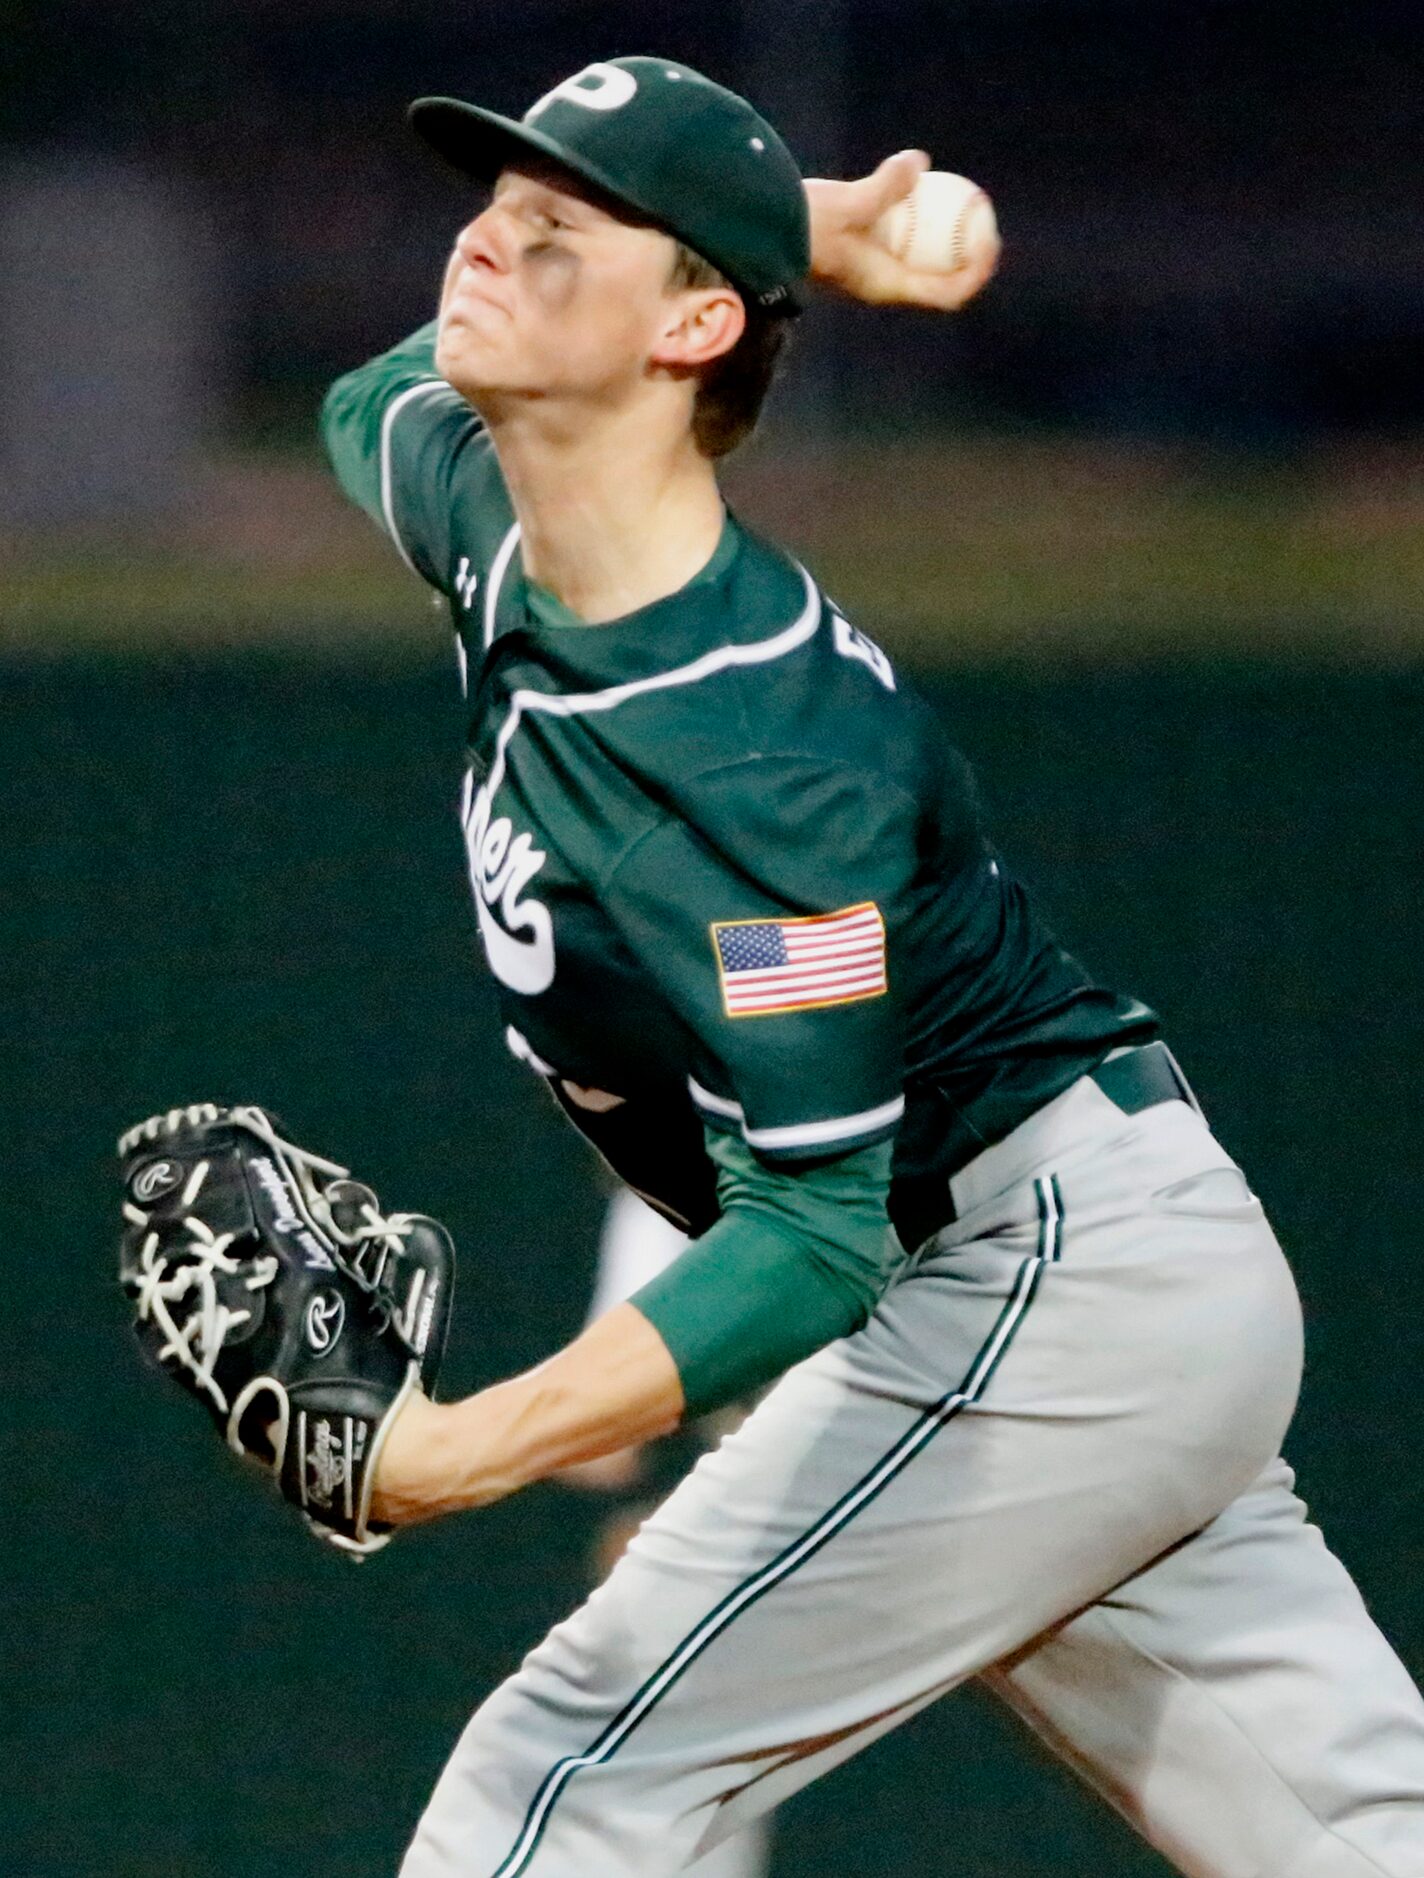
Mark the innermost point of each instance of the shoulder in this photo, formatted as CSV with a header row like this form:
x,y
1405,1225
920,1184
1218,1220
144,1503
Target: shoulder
x,y
753,686
434,446
782,683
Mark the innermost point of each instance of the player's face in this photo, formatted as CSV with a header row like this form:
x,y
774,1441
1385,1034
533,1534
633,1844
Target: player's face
x,y
554,296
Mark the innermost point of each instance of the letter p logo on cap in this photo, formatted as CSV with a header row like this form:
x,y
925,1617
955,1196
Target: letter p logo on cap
x,y
598,87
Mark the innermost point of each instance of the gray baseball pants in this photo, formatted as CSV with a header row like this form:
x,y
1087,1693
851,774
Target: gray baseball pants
x,y
1048,1461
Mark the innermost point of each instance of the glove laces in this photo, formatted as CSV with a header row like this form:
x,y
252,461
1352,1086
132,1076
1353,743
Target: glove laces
x,y
190,1272
364,1251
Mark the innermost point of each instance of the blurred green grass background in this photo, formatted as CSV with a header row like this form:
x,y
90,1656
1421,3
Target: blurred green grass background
x,y
999,546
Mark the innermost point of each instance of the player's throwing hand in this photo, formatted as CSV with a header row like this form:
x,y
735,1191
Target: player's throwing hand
x,y
848,249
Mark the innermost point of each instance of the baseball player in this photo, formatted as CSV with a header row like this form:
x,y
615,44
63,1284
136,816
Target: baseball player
x,y
1037,1345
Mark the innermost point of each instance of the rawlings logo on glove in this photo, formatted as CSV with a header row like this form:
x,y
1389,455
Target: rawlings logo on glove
x,y
273,1288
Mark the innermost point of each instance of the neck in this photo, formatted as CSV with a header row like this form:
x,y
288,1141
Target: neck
x,y
614,512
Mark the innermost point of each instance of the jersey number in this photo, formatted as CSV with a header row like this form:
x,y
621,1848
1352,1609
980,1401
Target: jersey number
x,y
854,645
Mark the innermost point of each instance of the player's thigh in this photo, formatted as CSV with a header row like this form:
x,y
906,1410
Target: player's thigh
x,y
1239,1706
1014,1432
1017,1429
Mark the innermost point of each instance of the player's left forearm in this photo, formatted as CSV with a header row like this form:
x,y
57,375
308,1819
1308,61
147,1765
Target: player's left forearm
x,y
798,1259
614,1386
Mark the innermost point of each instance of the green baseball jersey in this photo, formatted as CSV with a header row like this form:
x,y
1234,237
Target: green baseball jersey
x,y
724,860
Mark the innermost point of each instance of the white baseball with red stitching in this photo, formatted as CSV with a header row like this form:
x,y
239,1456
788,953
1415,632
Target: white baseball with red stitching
x,y
944,224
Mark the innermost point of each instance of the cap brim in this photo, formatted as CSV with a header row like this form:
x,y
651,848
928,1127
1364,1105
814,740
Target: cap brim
x,y
481,144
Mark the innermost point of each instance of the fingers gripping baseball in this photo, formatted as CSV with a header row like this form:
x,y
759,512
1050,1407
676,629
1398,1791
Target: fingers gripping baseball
x,y
905,235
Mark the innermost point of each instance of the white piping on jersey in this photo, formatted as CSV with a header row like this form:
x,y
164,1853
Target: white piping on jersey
x,y
518,1045
798,1134
423,389
573,704
715,1104
497,571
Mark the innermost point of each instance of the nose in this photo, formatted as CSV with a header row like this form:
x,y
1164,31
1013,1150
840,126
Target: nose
x,y
486,241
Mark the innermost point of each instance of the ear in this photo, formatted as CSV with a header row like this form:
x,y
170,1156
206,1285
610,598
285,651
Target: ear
x,y
700,325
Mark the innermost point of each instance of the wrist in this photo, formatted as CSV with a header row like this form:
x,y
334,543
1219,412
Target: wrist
x,y
448,1457
429,1463
820,208
617,1384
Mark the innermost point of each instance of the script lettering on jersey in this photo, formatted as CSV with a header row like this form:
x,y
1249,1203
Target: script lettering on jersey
x,y
518,933
854,645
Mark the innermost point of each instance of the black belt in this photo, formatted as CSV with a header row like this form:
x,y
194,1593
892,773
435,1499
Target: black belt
x,y
1139,1078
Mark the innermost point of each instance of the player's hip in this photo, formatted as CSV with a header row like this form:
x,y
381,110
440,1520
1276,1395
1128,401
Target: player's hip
x,y
1131,1107
1115,1167
1111,1268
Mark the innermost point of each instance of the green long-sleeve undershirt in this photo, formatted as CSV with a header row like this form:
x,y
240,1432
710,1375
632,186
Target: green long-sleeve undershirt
x,y
799,1257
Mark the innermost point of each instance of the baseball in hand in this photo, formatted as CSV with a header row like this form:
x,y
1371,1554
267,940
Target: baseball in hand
x,y
946,223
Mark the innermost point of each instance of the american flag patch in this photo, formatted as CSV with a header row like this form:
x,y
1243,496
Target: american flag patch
x,y
770,965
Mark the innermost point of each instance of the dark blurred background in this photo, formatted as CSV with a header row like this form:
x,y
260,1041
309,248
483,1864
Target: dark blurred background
x,y
1146,523
1214,209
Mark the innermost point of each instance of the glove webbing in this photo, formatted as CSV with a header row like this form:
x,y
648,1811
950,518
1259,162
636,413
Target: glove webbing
x,y
194,1344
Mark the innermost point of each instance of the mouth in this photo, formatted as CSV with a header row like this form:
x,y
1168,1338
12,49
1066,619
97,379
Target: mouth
x,y
468,296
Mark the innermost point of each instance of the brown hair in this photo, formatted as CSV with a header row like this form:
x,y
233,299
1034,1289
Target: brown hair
x,y
733,388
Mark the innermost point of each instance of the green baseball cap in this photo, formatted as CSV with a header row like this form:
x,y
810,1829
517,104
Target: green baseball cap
x,y
665,142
